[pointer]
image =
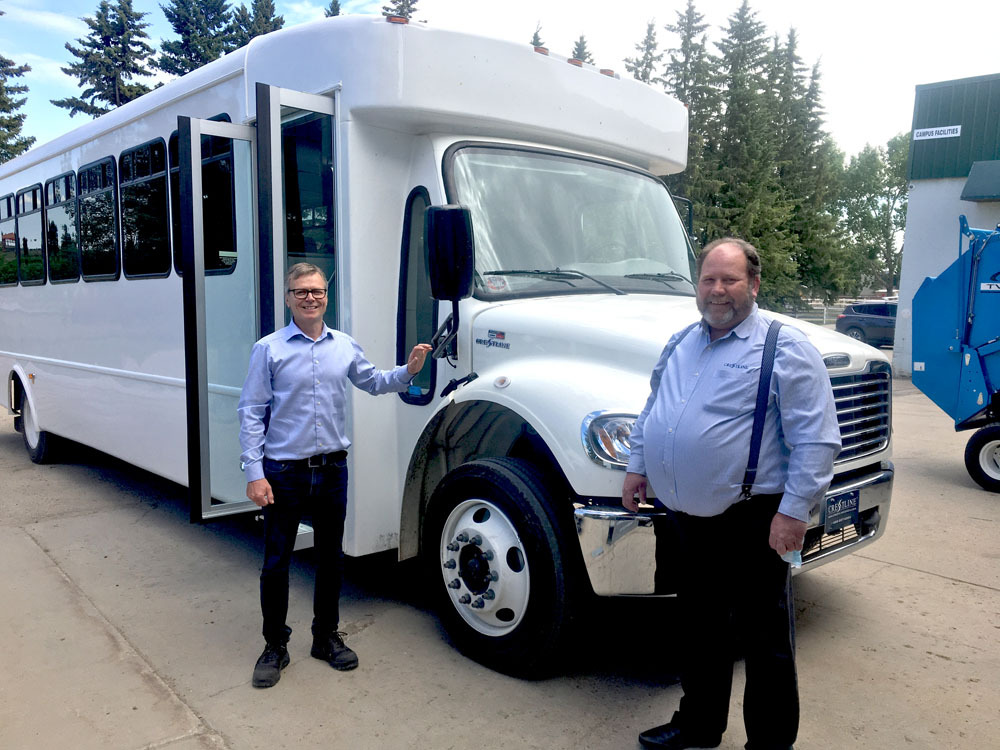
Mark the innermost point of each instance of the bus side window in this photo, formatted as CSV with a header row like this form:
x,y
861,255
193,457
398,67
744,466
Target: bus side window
x,y
145,244
61,229
8,242
218,203
417,311
31,248
98,221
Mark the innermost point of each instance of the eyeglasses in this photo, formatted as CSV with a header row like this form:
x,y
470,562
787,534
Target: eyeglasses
x,y
303,293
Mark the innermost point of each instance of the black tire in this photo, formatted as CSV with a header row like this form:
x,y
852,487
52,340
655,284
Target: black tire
x,y
39,444
512,622
982,457
857,334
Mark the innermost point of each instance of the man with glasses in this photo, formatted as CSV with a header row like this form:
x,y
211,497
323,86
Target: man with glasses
x,y
294,453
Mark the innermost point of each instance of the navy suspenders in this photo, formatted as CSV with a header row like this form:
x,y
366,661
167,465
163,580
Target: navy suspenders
x,y
763,388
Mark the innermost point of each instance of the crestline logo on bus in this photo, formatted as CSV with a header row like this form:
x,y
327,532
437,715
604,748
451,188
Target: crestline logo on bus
x,y
495,339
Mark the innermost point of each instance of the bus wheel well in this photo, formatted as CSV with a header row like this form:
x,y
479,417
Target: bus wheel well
x,y
462,433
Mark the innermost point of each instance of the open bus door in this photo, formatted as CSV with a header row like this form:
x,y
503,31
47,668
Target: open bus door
x,y
282,168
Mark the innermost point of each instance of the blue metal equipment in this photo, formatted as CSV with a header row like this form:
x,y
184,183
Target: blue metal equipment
x,y
956,347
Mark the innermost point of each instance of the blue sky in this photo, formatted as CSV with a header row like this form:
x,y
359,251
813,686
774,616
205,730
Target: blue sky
x,y
872,52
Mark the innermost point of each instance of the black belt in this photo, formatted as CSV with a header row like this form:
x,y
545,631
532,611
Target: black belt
x,y
322,459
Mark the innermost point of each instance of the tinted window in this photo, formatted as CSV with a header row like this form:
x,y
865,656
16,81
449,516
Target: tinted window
x,y
417,320
145,243
30,243
61,231
98,221
8,242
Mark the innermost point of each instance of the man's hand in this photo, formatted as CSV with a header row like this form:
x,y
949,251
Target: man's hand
x,y
415,363
787,533
635,484
259,490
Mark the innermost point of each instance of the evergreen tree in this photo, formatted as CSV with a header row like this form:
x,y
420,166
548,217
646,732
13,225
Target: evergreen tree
x,y
333,9
753,205
109,59
874,208
12,142
202,26
401,8
247,24
536,38
691,75
580,51
643,66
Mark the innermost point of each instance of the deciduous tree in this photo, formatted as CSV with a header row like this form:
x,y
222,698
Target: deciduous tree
x,y
109,60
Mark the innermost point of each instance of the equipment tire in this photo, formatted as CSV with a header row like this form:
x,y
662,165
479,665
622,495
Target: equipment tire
x,y
504,502
982,457
39,444
857,334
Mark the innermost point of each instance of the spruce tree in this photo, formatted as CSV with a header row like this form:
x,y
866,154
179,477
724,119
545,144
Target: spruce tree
x,y
202,26
401,8
580,51
536,38
12,142
247,24
643,66
333,9
109,59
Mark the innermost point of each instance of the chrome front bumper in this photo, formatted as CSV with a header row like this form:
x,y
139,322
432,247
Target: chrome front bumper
x,y
619,547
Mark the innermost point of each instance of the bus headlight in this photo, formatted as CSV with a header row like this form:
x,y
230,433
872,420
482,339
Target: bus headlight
x,y
606,438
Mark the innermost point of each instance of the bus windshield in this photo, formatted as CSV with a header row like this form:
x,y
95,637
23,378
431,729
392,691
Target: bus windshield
x,y
551,224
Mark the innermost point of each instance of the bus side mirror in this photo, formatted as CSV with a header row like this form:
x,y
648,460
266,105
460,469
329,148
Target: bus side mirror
x,y
451,254
450,251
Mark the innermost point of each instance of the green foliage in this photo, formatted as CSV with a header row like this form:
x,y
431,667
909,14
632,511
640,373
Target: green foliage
x,y
643,66
402,8
203,28
580,51
247,24
12,142
109,59
873,201
536,38
333,9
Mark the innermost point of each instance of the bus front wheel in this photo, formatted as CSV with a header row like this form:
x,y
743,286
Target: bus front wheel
x,y
495,556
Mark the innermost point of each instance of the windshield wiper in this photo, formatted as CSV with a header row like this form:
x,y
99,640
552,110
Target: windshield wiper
x,y
557,274
665,277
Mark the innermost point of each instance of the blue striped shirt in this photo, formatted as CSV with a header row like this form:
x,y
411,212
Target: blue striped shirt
x,y
692,439
304,385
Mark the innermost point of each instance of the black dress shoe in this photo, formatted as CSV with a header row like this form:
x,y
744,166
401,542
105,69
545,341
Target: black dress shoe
x,y
670,737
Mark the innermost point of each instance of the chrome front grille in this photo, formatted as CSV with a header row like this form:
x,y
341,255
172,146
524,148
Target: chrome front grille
x,y
863,411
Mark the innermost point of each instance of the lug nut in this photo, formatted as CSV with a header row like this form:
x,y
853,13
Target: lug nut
x,y
488,554
449,564
464,599
463,537
476,540
453,546
493,576
478,604
490,595
455,583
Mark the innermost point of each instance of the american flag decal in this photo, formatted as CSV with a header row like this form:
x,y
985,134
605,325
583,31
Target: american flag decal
x,y
499,335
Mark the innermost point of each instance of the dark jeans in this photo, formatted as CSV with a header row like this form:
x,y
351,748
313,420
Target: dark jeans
x,y
735,589
321,493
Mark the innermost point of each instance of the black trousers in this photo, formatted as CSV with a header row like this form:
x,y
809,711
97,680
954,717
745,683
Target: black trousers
x,y
734,590
321,493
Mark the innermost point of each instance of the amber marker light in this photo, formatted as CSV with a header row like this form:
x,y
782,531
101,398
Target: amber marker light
x,y
397,19
574,61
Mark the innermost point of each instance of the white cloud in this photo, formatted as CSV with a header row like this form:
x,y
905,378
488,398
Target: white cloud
x,y
302,12
57,23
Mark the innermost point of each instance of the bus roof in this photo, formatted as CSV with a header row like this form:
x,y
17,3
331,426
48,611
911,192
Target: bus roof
x,y
420,79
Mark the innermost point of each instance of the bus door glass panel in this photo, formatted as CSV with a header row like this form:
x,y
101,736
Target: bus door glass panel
x,y
98,221
31,250
8,242
308,186
417,309
145,245
61,231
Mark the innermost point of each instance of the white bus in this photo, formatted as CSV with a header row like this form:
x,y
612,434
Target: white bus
x,y
129,307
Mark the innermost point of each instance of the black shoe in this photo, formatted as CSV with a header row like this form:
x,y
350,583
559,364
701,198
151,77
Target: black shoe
x,y
332,648
267,670
670,737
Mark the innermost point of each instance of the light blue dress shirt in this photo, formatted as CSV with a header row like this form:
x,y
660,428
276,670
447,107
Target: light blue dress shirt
x,y
304,382
692,439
